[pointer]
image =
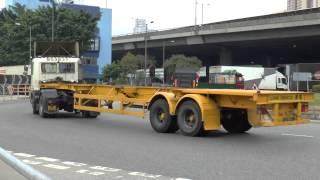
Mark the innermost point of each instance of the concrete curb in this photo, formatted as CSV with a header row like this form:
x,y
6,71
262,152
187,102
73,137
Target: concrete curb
x,y
315,121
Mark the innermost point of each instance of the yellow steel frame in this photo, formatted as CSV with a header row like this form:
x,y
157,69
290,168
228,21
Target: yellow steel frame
x,y
210,101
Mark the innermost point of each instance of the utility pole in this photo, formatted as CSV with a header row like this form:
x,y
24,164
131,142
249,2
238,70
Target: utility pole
x,y
30,43
53,19
145,55
195,12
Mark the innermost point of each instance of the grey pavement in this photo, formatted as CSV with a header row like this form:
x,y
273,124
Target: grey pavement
x,y
130,144
8,173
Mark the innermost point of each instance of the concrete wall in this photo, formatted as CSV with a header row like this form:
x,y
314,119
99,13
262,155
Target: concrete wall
x,y
12,70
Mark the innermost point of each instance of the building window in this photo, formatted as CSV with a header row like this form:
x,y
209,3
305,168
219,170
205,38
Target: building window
x,y
94,44
310,4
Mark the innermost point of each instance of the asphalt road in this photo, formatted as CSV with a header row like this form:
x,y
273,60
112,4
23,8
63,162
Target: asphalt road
x,y
130,145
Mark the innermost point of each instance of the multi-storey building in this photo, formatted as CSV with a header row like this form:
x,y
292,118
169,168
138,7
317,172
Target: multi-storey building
x,y
302,4
99,53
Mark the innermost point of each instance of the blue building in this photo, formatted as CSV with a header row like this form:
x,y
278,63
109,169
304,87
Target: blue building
x,y
99,54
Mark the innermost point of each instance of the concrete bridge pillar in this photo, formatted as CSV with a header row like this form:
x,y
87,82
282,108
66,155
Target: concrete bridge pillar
x,y
225,56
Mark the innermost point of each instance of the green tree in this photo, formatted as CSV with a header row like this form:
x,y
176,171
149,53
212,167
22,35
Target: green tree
x,y
112,71
129,64
69,25
181,61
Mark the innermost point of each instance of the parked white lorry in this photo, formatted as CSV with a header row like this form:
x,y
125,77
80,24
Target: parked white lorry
x,y
256,77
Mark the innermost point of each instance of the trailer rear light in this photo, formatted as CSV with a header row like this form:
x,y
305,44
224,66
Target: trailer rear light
x,y
305,108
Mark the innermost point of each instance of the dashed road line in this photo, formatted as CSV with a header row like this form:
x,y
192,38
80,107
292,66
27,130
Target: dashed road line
x,y
47,159
24,155
296,135
54,166
77,168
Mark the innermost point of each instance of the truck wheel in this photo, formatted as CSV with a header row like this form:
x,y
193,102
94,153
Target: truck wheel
x,y
35,110
42,113
160,118
189,119
235,121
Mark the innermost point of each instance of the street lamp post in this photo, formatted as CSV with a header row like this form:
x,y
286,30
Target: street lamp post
x,y
195,12
30,43
52,19
30,40
164,44
163,59
202,11
146,53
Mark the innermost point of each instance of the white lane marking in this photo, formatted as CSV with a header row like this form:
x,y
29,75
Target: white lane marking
x,y
47,159
107,169
296,135
96,173
82,171
24,155
144,175
73,163
31,162
54,166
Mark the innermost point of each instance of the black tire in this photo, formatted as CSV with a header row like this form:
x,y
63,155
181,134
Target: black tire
x,y
190,119
42,112
35,109
235,121
160,118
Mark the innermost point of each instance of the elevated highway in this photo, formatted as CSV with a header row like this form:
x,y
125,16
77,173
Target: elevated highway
x,y
286,37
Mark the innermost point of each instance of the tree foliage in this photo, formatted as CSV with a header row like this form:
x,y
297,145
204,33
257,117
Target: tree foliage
x,y
129,64
181,61
16,21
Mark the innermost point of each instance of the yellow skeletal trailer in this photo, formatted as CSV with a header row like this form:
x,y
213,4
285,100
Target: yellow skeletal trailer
x,y
193,111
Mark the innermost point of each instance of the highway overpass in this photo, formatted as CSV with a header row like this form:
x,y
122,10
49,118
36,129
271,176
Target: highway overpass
x,y
287,37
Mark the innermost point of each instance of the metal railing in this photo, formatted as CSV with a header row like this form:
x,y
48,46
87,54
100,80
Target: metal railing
x,y
22,168
14,91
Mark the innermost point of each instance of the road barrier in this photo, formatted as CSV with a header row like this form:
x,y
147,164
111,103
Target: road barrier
x,y
14,92
22,168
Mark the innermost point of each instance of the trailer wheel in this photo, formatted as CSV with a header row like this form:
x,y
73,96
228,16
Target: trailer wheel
x,y
160,118
42,112
235,121
189,119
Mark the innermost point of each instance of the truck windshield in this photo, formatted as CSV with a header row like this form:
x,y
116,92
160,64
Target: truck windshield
x,y
66,68
284,80
49,68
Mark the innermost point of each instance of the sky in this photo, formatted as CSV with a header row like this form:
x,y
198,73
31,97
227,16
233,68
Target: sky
x,y
168,14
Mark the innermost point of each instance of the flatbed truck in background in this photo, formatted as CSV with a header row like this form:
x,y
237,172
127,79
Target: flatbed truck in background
x,y
193,111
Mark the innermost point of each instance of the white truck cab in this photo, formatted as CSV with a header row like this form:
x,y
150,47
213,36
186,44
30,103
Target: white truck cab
x,y
55,61
53,68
